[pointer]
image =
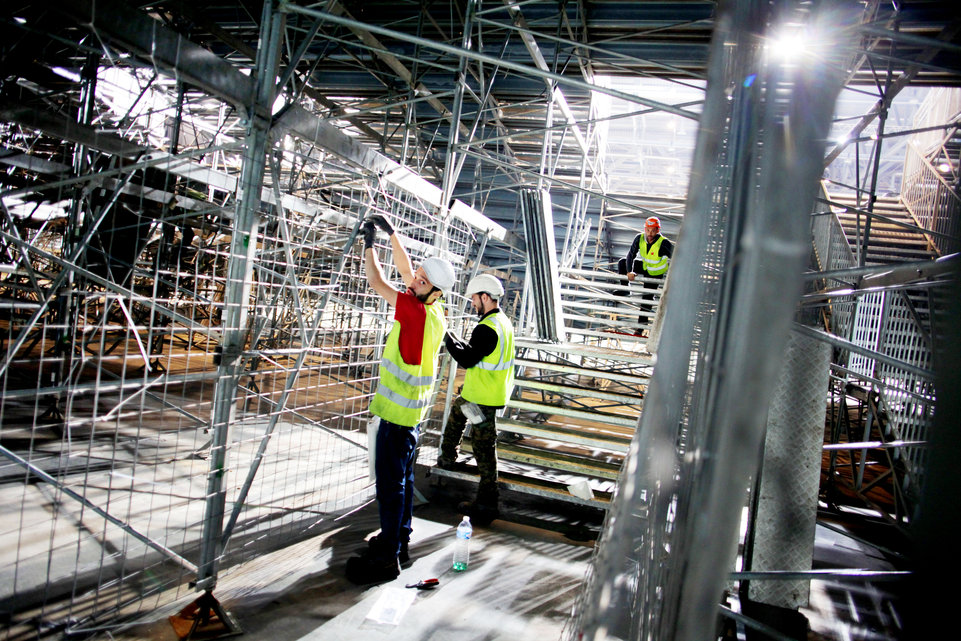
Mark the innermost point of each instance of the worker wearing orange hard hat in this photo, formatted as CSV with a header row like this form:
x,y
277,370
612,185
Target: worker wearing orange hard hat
x,y
648,257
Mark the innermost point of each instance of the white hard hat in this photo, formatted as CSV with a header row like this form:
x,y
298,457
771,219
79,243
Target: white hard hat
x,y
485,283
439,272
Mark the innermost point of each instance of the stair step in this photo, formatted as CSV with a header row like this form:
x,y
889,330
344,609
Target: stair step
x,y
601,326
632,379
592,351
877,257
620,332
892,234
584,440
527,485
551,409
553,460
573,434
888,241
578,391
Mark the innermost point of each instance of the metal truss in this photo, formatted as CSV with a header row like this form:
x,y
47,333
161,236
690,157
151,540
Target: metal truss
x,y
184,316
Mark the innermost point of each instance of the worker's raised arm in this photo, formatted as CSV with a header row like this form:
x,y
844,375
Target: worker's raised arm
x,y
372,268
402,260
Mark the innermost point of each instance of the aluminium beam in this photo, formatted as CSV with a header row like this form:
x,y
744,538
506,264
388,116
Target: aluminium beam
x,y
295,121
394,62
453,163
133,31
841,343
58,126
584,49
368,37
574,435
299,122
195,15
948,35
130,30
488,59
556,94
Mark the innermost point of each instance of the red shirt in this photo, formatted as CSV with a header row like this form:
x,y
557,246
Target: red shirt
x,y
412,316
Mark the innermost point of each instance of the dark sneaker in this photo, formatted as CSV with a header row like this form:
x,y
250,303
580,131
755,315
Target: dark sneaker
x,y
365,569
375,549
445,463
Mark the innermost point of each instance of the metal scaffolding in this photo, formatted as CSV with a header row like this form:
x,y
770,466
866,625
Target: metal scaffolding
x,y
672,532
189,344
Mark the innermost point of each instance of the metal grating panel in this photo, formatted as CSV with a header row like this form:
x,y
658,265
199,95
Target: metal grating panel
x,y
782,536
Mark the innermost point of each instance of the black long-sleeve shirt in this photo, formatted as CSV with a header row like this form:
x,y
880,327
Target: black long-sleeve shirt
x,y
483,341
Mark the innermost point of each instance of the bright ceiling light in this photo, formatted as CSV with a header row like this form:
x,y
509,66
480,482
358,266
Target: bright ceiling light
x,y
66,73
788,45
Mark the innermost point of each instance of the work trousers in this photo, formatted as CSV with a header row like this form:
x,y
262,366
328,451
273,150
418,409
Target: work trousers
x,y
649,290
396,448
484,443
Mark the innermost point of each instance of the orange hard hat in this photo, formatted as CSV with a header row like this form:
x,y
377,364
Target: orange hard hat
x,y
652,223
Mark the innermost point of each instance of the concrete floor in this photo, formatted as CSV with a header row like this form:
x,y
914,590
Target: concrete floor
x,y
523,580
525,575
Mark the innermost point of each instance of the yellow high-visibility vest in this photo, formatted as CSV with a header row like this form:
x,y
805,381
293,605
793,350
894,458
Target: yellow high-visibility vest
x,y
490,381
404,391
654,263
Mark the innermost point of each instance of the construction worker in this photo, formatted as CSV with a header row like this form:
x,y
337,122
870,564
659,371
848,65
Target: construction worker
x,y
488,359
654,252
402,400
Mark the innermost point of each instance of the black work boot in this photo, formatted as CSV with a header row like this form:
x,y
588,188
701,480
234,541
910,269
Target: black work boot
x,y
447,460
376,549
368,569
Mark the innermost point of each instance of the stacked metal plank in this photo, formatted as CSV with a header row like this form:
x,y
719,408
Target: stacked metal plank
x,y
543,274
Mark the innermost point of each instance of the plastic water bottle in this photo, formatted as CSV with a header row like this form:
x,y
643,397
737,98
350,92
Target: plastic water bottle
x,y
462,545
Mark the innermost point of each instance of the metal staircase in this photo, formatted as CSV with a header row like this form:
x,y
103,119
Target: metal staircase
x,y
893,237
892,404
892,234
576,403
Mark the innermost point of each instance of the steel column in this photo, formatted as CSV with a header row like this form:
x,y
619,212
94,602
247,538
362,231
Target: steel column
x,y
243,247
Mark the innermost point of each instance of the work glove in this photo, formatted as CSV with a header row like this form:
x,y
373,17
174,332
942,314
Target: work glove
x,y
370,232
454,342
381,222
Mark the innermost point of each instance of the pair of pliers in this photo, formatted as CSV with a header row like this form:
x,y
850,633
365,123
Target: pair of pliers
x,y
426,584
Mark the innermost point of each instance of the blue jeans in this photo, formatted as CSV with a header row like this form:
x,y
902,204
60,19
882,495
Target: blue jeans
x,y
394,466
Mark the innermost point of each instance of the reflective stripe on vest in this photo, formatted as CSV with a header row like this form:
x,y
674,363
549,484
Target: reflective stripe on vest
x,y
406,377
490,381
654,264
404,392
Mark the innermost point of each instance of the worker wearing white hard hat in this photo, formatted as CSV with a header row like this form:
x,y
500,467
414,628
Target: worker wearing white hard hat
x,y
402,399
439,272
488,358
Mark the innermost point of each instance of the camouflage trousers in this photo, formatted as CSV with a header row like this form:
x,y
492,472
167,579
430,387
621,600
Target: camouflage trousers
x,y
483,438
